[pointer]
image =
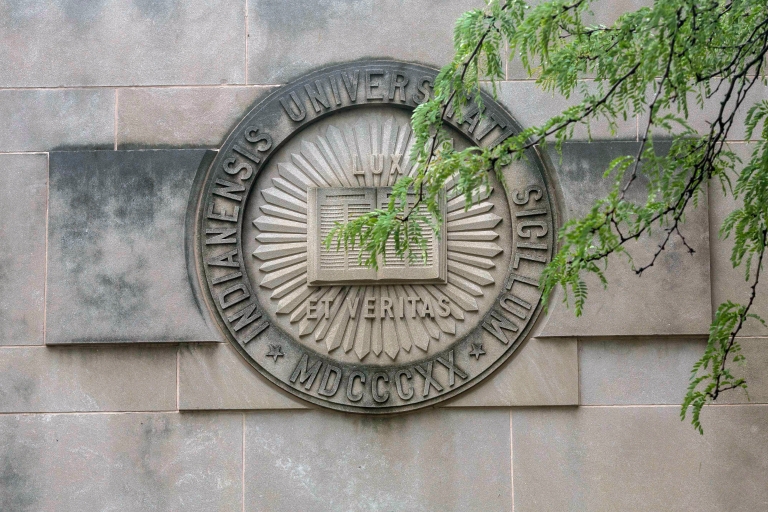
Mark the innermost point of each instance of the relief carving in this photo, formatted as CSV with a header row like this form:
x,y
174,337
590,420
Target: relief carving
x,y
317,321
330,295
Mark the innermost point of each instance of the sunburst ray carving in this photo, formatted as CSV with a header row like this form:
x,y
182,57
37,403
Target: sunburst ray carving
x,y
330,160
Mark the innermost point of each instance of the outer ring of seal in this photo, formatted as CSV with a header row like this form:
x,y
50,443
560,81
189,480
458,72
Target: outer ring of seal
x,y
270,117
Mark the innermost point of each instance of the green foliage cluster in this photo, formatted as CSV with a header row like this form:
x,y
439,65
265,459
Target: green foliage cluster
x,y
658,63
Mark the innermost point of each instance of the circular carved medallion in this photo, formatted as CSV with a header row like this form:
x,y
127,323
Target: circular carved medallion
x,y
316,322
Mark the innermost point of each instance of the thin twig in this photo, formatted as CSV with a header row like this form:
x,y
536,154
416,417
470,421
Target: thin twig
x,y
742,317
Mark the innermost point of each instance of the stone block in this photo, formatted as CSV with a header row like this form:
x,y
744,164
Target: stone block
x,y
542,372
46,119
181,117
628,372
758,93
729,283
753,370
122,42
127,462
531,106
215,377
657,371
701,116
78,379
670,298
639,458
606,13
23,203
435,460
603,13
286,39
117,262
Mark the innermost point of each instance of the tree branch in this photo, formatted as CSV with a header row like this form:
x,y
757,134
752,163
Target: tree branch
x,y
742,317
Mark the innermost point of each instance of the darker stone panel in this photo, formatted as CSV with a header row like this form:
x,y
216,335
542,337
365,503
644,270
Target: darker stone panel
x,y
117,267
729,283
671,298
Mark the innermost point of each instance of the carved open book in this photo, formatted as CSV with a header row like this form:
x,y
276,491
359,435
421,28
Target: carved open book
x,y
327,206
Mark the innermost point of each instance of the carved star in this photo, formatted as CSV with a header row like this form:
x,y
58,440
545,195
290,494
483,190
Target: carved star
x,y
275,351
477,350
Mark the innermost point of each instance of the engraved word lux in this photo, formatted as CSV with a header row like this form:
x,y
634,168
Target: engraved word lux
x,y
314,318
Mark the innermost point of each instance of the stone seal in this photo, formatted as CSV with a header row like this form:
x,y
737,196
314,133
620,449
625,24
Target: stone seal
x,y
313,320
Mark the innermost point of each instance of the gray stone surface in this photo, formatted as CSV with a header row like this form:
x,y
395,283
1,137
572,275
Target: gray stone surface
x,y
531,106
645,371
23,203
181,117
286,39
118,274
122,42
656,371
640,458
45,119
433,460
730,283
758,93
672,297
753,370
215,376
604,13
701,117
542,372
126,462
321,154
608,12
117,266
76,379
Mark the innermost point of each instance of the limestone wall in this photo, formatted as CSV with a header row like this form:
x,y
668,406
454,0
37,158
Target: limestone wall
x,y
117,392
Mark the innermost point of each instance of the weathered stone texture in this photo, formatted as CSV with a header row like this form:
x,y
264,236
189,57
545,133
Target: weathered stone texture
x,y
122,42
753,370
531,106
117,264
657,371
127,462
215,376
729,283
117,273
640,458
701,117
286,39
181,117
672,297
77,379
644,371
433,460
603,13
542,372
45,119
23,203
